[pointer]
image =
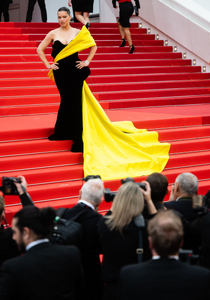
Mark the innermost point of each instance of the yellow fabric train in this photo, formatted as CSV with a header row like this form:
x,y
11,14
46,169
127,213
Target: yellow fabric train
x,y
113,150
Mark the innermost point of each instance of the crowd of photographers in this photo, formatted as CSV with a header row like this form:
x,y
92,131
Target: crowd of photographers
x,y
139,229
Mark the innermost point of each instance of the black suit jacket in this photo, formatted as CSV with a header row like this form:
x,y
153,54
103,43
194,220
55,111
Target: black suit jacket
x,y
183,205
164,279
45,272
91,248
201,227
8,247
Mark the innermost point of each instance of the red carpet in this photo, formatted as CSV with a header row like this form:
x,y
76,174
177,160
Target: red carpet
x,y
154,87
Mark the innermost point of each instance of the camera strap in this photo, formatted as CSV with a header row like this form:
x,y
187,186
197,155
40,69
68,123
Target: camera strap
x,y
140,223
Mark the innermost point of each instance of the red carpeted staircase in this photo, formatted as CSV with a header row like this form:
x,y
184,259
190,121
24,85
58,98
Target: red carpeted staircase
x,y
154,87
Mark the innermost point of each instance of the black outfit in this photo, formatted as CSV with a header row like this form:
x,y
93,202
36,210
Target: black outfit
x,y
4,9
44,272
201,227
83,5
69,81
157,205
8,247
164,279
126,10
119,250
91,249
184,206
42,6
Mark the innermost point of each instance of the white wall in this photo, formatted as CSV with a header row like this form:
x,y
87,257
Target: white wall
x,y
204,3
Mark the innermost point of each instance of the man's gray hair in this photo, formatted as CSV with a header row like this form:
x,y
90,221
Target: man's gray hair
x,y
93,191
188,183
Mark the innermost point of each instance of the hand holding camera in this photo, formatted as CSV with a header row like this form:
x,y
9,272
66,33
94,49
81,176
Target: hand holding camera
x,y
13,185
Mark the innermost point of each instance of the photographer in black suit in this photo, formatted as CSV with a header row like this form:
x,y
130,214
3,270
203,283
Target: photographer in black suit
x,y
164,277
184,188
45,271
8,247
86,209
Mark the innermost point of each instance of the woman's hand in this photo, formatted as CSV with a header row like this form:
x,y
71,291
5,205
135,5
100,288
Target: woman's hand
x,y
81,64
69,3
54,66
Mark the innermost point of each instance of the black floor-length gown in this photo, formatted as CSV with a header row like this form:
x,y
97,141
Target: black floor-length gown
x,y
69,81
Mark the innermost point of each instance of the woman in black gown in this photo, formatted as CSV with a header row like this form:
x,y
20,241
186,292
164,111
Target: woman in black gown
x,y
82,8
69,74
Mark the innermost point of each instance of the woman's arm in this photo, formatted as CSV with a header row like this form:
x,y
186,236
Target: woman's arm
x,y
114,3
81,64
69,3
41,48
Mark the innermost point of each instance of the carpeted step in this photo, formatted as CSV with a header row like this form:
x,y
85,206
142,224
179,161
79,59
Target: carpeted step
x,y
156,101
106,85
33,147
43,31
98,56
105,71
107,79
186,142
8,164
182,133
202,144
101,64
150,93
130,86
53,25
101,49
188,159
50,174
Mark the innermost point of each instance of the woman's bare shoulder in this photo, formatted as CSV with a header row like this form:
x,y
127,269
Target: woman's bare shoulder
x,y
77,31
51,34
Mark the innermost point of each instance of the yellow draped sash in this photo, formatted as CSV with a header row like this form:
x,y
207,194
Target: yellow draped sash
x,y
114,150
81,42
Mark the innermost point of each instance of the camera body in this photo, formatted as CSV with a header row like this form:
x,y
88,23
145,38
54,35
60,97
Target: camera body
x,y
91,177
8,187
109,196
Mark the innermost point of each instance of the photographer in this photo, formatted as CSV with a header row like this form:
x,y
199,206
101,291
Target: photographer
x,y
120,233
201,228
8,247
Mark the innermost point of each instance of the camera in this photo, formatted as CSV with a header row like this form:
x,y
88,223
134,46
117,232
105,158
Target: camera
x,y
91,177
8,187
109,196
201,204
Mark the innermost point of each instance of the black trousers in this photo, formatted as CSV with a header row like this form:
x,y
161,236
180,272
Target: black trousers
x,y
42,6
4,9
